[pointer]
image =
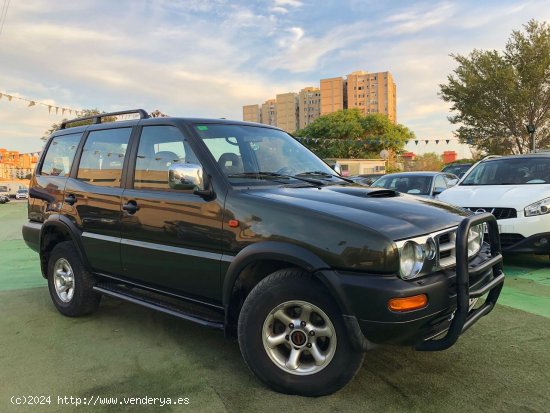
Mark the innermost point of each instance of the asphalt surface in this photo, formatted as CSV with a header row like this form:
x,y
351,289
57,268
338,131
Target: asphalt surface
x,y
500,364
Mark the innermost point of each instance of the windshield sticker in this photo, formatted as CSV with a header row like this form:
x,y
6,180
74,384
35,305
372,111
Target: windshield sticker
x,y
202,127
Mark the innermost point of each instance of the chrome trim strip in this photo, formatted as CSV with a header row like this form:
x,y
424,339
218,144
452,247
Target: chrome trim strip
x,y
101,237
161,247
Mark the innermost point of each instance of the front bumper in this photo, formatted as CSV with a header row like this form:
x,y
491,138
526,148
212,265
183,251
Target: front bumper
x,y
449,292
525,234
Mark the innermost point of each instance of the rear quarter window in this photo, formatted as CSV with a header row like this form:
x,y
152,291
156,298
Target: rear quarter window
x,y
60,155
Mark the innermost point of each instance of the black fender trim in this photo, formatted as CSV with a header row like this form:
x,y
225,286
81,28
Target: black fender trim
x,y
268,250
66,225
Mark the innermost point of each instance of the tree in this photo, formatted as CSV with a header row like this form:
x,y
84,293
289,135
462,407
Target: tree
x,y
83,114
497,94
350,134
428,162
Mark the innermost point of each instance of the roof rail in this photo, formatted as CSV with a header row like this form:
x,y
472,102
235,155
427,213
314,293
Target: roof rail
x,y
97,118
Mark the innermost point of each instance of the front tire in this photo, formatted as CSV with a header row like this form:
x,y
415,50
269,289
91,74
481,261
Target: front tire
x,y
293,337
69,283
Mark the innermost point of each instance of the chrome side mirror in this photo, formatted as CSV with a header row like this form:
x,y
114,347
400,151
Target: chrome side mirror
x,y
186,177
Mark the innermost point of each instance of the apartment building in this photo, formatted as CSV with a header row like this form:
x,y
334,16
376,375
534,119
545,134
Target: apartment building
x,y
269,112
368,92
309,106
252,113
14,165
287,111
333,96
372,93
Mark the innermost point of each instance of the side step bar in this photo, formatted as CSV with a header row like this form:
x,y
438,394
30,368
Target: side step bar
x,y
177,308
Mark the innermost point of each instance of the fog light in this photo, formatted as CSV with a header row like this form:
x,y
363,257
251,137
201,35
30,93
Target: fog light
x,y
408,303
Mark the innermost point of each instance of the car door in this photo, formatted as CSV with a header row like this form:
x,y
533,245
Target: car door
x,y
172,238
93,193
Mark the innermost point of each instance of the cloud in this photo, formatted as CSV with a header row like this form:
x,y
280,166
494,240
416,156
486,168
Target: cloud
x,y
278,9
291,3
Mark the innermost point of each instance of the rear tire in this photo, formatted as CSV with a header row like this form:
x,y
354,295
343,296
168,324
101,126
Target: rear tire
x,y
69,283
293,337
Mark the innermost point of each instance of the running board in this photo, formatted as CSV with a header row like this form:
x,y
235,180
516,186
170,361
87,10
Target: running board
x,y
168,305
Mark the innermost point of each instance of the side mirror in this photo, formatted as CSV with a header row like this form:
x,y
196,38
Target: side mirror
x,y
453,182
186,177
437,191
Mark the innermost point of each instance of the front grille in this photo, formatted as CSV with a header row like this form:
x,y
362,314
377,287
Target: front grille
x,y
507,240
446,247
499,213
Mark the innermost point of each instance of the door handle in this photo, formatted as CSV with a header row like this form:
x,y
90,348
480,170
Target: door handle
x,y
131,207
70,199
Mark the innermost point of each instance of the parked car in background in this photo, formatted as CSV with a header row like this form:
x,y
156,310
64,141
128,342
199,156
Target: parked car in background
x,y
366,179
425,184
5,192
4,199
516,190
22,194
458,169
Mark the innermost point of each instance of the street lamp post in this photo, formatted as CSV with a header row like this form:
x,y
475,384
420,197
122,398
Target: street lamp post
x,y
531,132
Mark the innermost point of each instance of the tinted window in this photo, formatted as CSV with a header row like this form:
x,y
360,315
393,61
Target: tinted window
x,y
160,147
103,157
60,155
510,171
409,184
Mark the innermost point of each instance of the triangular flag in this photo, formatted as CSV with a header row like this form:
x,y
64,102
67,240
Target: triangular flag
x,y
10,97
426,141
56,110
436,141
447,140
50,109
31,103
63,111
0,95
416,142
406,142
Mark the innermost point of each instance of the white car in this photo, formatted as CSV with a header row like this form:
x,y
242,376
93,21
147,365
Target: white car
x,y
516,190
22,194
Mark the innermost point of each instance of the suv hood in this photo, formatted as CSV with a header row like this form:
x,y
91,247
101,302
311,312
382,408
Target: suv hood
x,y
507,196
395,215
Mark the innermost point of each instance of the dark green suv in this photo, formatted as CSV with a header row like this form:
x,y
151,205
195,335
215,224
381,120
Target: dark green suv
x,y
238,227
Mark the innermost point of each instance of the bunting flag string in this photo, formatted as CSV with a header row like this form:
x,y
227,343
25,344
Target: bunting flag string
x,y
34,102
376,141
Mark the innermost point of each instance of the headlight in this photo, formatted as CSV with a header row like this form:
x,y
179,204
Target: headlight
x,y
475,239
411,260
538,208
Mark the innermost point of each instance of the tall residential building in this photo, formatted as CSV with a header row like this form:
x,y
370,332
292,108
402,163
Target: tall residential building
x,y
333,95
269,112
309,106
287,111
368,92
251,113
372,93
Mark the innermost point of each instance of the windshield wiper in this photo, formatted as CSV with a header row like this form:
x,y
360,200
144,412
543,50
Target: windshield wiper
x,y
266,175
324,175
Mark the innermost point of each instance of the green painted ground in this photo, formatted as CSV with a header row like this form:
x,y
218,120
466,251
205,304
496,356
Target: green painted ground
x,y
501,364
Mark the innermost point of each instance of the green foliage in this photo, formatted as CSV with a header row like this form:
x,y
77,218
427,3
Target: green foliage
x,y
494,95
428,162
350,134
84,113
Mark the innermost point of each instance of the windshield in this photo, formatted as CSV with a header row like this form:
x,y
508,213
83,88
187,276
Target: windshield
x,y
249,153
510,171
458,170
408,184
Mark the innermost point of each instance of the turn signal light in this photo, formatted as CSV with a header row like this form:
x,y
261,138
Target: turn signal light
x,y
408,303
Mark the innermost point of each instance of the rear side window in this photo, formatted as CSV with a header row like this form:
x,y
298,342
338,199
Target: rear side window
x,y
103,157
60,155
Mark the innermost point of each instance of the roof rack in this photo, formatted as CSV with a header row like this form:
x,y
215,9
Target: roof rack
x,y
97,118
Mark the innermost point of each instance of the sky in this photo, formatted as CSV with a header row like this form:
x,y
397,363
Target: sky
x,y
208,58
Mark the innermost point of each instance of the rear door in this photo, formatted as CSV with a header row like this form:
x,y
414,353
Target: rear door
x,y
173,239
93,196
